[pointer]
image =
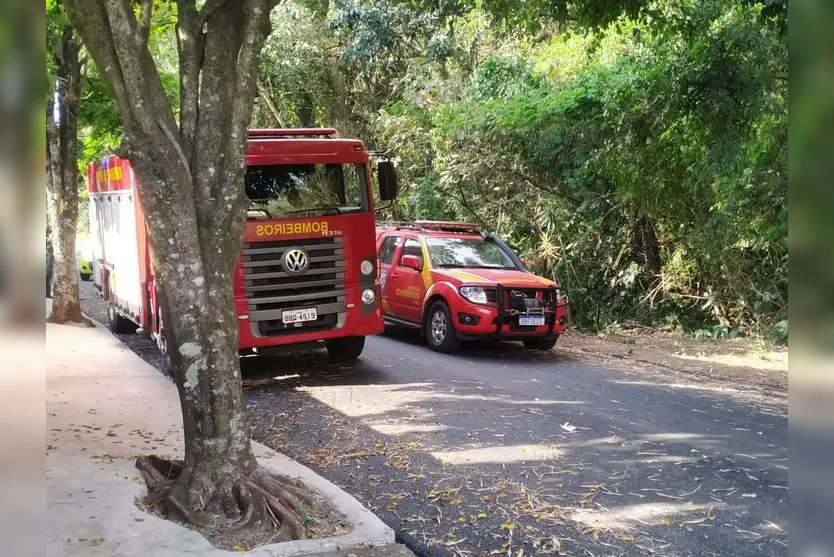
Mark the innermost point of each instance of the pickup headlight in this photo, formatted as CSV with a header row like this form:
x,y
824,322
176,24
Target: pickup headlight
x,y
475,294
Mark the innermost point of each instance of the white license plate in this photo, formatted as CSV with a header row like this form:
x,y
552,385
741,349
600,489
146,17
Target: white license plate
x,y
299,315
530,320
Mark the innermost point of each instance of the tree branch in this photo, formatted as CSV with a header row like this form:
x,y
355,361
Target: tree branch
x,y
143,26
264,94
91,21
256,27
191,46
207,10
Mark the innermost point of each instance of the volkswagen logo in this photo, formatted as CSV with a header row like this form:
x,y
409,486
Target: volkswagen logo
x,y
296,261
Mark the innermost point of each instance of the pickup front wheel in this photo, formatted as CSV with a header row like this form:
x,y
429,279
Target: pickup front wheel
x,y
440,330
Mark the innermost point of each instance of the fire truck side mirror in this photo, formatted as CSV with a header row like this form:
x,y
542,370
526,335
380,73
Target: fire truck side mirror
x,y
387,181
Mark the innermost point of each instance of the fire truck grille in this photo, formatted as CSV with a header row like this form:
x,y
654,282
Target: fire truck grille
x,y
271,290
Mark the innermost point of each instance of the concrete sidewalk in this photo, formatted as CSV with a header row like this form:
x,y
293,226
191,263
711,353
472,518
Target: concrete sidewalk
x,y
105,406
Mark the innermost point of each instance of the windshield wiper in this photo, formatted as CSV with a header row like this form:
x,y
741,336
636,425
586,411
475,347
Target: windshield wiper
x,y
496,267
335,210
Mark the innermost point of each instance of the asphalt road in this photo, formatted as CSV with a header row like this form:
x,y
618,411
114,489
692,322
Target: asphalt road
x,y
501,450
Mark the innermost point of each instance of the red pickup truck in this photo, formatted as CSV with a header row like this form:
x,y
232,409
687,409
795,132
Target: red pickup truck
x,y
455,283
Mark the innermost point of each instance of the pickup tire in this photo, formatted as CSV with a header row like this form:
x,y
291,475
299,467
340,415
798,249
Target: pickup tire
x,y
542,343
440,329
345,350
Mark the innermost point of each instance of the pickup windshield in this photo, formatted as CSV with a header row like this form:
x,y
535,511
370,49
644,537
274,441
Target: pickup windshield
x,y
466,253
305,190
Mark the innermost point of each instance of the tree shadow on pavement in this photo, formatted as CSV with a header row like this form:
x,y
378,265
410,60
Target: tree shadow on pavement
x,y
486,350
620,468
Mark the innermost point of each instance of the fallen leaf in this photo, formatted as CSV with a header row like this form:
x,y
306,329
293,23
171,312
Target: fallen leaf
x,y
568,427
666,520
508,526
482,515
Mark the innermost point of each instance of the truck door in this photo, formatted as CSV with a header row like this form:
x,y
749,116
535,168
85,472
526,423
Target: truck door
x,y
405,287
387,250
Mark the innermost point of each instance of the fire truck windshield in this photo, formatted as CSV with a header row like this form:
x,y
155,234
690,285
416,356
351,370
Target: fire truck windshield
x,y
306,189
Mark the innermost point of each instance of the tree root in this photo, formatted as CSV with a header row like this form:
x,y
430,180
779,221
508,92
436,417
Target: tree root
x,y
260,508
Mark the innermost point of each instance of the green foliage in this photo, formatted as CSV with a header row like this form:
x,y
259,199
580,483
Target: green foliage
x,y
532,15
634,150
644,165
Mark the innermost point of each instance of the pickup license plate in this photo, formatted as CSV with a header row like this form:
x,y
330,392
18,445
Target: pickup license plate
x,y
530,320
299,315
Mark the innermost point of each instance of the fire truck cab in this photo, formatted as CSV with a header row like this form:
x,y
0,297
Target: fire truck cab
x,y
455,283
307,275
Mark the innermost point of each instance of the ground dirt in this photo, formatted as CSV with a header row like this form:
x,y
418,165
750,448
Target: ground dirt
x,y
754,363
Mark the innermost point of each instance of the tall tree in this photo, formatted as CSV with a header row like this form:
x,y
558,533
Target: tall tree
x,y
190,174
62,102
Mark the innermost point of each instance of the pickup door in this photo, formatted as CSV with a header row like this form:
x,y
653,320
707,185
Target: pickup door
x,y
404,286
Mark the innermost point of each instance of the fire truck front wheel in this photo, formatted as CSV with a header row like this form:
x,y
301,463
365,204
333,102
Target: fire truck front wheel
x,y
345,350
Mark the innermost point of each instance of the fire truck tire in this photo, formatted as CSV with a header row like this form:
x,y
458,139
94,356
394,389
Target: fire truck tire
x,y
162,344
543,343
345,350
118,323
440,330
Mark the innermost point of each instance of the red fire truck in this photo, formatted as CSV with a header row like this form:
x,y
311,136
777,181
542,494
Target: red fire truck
x,y
307,275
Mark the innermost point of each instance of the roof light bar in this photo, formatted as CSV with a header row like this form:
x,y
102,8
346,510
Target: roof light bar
x,y
448,226
268,133
431,226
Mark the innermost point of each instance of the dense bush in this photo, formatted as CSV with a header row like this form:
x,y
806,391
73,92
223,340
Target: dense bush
x,y
648,173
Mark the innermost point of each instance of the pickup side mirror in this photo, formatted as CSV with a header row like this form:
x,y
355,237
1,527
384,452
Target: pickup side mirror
x,y
412,262
524,261
387,180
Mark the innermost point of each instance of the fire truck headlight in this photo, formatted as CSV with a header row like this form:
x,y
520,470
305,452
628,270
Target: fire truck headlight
x,y
366,267
368,296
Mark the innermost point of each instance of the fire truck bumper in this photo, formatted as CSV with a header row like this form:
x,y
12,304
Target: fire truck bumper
x,y
356,319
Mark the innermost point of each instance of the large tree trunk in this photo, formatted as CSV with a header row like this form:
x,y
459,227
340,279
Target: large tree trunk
x,y
50,260
62,180
190,175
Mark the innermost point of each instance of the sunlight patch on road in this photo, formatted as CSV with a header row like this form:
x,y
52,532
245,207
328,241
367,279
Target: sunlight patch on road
x,y
413,399
403,428
672,437
687,386
777,361
499,455
644,514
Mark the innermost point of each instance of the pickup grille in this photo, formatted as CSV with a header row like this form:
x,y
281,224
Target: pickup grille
x,y
538,298
270,289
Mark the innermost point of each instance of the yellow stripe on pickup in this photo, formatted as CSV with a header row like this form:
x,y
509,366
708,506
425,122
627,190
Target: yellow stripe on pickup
x,y
467,277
